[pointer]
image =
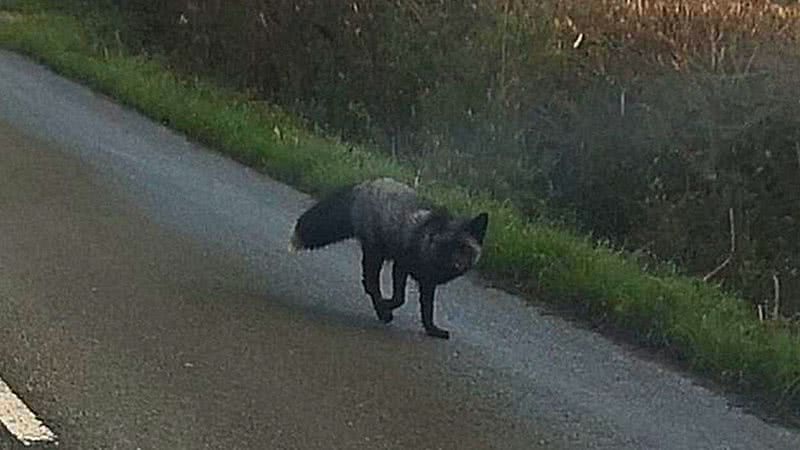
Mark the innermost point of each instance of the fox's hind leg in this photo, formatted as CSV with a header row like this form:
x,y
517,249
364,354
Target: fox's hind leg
x,y
385,307
399,277
371,264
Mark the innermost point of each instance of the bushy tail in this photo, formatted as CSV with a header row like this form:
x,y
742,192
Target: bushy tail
x,y
326,222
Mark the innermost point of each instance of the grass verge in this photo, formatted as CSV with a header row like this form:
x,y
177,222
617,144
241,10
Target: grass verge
x,y
715,333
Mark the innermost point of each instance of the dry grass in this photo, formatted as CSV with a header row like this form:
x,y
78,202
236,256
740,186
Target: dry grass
x,y
8,17
674,33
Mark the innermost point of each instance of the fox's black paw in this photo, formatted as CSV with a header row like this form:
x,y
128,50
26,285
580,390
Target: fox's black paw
x,y
437,332
384,315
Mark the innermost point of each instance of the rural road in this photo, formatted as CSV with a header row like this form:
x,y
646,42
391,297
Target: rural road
x,y
147,301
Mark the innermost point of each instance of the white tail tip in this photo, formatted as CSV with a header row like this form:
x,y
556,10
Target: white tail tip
x,y
294,243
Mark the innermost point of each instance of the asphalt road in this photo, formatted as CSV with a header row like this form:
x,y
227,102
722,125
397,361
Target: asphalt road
x,y
147,301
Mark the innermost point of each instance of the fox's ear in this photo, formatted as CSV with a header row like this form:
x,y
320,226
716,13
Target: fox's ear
x,y
477,226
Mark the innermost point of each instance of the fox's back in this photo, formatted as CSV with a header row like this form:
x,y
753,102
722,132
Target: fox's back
x,y
385,213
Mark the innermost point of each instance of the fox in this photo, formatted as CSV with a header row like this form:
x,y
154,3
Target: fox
x,y
393,224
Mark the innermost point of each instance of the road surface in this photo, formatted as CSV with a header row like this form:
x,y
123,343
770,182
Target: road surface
x,y
147,301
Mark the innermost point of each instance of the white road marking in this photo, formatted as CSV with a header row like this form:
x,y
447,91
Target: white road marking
x,y
19,420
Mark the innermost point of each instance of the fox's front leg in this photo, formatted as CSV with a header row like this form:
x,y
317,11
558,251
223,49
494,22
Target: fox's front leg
x,y
371,264
426,295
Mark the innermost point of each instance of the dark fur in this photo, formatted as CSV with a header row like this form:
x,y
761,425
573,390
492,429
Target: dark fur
x,y
392,224
334,213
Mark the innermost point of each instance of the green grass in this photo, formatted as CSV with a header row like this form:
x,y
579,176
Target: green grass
x,y
715,333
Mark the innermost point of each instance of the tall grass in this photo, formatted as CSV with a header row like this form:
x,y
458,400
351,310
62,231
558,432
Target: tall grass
x,y
632,120
675,33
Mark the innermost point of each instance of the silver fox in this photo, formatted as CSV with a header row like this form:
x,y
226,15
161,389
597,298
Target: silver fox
x,y
392,224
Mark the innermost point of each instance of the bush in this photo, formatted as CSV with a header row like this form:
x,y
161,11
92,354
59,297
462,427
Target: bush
x,y
644,122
